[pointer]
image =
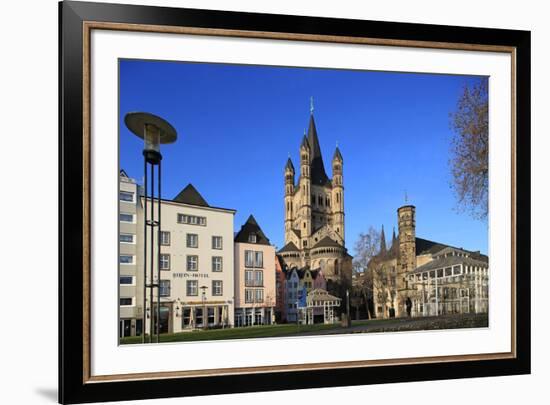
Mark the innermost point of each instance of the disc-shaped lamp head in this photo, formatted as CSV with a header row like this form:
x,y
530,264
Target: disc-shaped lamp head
x,y
152,129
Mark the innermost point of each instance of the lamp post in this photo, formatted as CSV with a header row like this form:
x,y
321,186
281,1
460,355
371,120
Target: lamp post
x,y
154,131
204,313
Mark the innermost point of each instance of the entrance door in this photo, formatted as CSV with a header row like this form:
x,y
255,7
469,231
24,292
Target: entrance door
x,y
248,319
125,328
163,320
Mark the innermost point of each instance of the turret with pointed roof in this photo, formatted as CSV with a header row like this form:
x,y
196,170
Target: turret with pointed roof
x,y
337,155
382,241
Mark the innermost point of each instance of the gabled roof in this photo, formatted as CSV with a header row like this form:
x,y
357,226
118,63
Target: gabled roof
x,y
449,261
251,227
326,242
289,247
318,174
190,195
425,246
122,173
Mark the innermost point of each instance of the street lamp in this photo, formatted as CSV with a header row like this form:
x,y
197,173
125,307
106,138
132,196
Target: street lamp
x,y
154,131
204,313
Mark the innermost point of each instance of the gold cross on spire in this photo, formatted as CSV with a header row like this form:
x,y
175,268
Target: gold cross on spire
x,y
311,105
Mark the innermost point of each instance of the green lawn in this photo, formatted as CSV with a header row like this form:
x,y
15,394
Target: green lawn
x,y
373,325
235,333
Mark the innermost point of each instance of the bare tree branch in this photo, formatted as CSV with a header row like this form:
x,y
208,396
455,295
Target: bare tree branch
x,y
469,162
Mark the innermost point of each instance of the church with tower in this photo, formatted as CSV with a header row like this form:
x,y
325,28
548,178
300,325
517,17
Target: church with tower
x,y
314,212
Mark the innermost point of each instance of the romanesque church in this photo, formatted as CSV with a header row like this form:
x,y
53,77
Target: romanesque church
x,y
314,212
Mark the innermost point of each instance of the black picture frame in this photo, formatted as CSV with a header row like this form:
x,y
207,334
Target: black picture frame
x,y
73,387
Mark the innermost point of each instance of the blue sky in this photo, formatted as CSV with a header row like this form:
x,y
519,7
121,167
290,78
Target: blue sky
x,y
237,124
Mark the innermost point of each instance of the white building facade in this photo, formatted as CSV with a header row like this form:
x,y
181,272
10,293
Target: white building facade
x,y
130,267
196,284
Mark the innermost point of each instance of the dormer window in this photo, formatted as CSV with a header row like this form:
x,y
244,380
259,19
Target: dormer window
x,y
252,238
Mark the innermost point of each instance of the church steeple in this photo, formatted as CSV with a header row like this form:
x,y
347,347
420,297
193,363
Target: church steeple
x,y
318,174
382,241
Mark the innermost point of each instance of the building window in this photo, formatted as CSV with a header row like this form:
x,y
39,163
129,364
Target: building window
x,y
249,258
126,259
191,220
126,280
127,196
165,238
192,288
126,217
217,242
126,238
448,271
259,296
248,296
164,261
248,278
126,302
259,278
164,288
217,287
305,243
252,238
192,263
259,259
192,240
217,263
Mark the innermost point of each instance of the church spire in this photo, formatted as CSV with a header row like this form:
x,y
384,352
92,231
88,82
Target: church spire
x,y
318,174
382,241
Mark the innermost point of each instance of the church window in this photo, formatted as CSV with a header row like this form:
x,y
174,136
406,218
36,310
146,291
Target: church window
x,y
305,243
337,197
327,202
320,201
304,224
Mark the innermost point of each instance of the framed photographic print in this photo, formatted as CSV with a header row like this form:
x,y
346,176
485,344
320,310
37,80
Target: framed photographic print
x,y
257,202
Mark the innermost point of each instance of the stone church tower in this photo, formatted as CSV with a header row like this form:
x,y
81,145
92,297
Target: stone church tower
x,y
314,211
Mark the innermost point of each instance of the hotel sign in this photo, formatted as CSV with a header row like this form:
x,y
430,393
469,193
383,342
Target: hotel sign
x,y
190,275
